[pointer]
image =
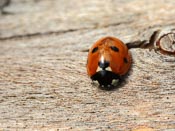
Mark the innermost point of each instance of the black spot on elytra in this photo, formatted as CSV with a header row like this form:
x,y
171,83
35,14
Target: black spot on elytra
x,y
114,48
125,60
95,50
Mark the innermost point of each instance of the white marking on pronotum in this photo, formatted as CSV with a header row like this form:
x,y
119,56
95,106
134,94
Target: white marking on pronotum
x,y
107,69
99,69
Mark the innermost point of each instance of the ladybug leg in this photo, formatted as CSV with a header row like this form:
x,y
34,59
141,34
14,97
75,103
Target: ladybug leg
x,y
116,80
94,77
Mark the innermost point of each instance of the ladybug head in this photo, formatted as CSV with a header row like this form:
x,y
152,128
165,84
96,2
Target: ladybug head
x,y
104,75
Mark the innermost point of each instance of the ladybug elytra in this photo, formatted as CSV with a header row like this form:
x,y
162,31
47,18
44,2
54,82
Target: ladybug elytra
x,y
108,60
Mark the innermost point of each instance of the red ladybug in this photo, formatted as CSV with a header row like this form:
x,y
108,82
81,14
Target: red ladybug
x,y
108,60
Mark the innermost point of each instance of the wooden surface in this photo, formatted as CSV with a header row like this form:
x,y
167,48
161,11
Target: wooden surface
x,y
43,52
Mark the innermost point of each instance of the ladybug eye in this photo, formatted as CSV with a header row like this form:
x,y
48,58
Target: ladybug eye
x,y
114,48
95,50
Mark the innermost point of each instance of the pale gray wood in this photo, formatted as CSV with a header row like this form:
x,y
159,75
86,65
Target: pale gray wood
x,y
43,52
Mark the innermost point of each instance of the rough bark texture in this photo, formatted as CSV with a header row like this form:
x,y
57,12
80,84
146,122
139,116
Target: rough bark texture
x,y
43,52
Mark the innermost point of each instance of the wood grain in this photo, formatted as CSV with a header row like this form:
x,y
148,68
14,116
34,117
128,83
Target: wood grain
x,y
43,80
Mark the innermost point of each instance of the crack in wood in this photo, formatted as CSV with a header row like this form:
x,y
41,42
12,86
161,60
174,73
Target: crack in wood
x,y
144,44
37,34
152,40
136,44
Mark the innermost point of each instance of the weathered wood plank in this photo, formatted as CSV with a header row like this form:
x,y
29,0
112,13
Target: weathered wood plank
x,y
55,16
43,81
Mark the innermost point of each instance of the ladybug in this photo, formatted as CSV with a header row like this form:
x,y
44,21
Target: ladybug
x,y
108,60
